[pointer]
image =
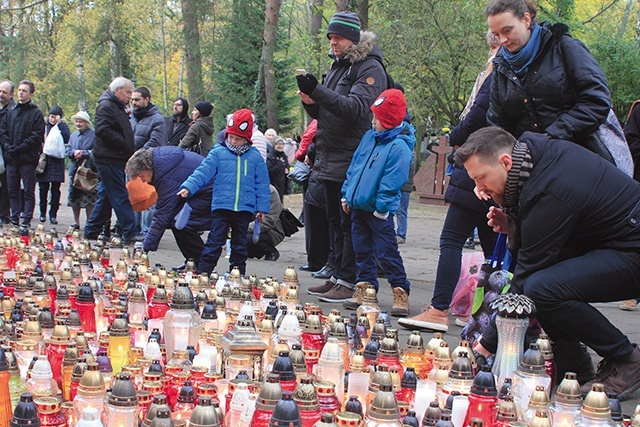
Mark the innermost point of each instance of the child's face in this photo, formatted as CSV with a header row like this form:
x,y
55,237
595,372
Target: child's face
x,y
236,140
377,126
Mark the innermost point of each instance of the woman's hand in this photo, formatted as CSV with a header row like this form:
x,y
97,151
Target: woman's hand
x,y
184,193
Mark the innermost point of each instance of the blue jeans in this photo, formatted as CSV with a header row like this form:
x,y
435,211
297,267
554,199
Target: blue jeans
x,y
458,226
221,220
26,174
376,237
143,219
401,215
112,193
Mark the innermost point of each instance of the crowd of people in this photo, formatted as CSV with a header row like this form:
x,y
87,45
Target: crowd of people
x,y
540,156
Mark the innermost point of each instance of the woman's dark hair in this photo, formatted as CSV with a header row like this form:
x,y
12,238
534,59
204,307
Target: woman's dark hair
x,y
517,7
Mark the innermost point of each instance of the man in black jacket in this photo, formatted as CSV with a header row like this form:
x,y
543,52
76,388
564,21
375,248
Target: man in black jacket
x,y
341,104
22,136
176,126
112,148
6,104
572,220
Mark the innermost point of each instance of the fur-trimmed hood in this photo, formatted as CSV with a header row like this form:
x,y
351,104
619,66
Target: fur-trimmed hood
x,y
365,47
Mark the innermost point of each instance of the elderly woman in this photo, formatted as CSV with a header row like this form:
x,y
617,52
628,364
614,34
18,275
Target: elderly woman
x,y
546,81
78,150
166,168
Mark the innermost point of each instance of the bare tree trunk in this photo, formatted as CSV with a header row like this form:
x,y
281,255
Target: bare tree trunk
x,y
114,63
163,44
181,76
341,5
363,13
272,10
193,59
82,97
315,24
625,19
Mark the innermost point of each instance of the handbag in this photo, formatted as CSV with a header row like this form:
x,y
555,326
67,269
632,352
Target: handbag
x,y
85,179
54,144
300,173
42,163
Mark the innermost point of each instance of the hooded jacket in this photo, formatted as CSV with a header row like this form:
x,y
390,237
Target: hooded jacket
x,y
342,105
171,167
564,92
175,127
379,168
22,134
200,132
240,182
148,127
114,137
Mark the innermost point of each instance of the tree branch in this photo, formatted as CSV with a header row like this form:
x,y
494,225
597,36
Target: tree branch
x,y
604,9
9,9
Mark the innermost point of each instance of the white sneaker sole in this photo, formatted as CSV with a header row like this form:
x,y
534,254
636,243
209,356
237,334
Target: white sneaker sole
x,y
421,324
462,322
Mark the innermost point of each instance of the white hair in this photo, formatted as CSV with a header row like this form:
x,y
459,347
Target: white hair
x,y
119,82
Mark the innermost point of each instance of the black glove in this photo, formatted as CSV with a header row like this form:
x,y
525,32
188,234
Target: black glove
x,y
307,83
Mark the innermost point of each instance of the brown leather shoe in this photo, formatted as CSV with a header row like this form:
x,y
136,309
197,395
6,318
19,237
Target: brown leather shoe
x,y
356,301
622,378
338,293
400,306
321,289
430,318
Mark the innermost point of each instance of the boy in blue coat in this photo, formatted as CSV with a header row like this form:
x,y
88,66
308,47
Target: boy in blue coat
x,y
240,191
371,193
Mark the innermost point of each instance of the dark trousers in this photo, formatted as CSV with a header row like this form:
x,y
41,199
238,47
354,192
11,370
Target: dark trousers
x,y
340,224
55,198
563,293
458,226
260,249
26,174
112,193
374,237
316,234
221,220
5,205
189,242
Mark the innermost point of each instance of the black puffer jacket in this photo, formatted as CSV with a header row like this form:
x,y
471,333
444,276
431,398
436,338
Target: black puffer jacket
x,y
114,137
564,93
343,108
22,134
176,126
148,127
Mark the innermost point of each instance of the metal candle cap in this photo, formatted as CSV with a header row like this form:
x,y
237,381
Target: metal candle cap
x,y
596,404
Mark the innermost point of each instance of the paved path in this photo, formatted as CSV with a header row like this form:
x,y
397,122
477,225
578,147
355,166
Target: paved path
x,y
420,255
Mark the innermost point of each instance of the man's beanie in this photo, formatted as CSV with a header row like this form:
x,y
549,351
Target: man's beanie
x,y
241,124
204,107
56,110
390,108
345,24
141,195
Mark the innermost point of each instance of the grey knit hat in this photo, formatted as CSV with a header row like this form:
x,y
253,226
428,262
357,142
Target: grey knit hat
x,y
345,24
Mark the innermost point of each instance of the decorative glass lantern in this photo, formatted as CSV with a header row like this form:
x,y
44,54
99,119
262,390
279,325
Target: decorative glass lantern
x,y
567,402
204,414
414,355
383,410
122,403
483,397
306,396
119,343
25,413
270,394
243,339
137,305
5,396
86,304
331,367
182,323
91,391
512,320
595,409
530,374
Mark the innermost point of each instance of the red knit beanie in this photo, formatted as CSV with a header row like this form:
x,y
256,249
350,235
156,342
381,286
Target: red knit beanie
x,y
241,124
390,108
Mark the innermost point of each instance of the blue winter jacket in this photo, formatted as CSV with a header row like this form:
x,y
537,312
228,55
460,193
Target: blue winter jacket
x,y
171,166
240,183
379,168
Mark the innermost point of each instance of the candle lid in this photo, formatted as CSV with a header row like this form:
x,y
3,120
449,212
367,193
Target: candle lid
x,y
182,297
85,293
25,412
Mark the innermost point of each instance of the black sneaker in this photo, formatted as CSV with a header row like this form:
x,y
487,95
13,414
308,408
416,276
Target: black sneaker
x,y
53,220
43,218
273,256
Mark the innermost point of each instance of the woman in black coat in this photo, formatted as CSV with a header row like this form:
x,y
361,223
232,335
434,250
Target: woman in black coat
x,y
53,174
278,166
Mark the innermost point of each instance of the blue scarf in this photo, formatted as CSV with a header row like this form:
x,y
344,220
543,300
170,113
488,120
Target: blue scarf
x,y
521,60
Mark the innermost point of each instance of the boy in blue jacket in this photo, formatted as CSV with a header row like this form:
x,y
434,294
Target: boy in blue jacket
x,y
371,193
240,191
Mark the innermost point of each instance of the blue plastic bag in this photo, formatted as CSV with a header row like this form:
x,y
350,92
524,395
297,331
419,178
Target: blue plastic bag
x,y
182,217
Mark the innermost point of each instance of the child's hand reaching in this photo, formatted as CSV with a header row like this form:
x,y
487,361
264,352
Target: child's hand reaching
x,y
184,193
260,216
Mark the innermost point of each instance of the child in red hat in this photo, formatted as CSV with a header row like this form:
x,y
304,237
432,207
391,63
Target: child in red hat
x,y
371,194
240,191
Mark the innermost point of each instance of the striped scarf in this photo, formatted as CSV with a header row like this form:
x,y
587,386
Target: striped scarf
x,y
518,175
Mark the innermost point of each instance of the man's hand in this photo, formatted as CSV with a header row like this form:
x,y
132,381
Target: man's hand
x,y
260,216
481,194
346,208
307,161
307,83
497,220
77,154
306,99
184,193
